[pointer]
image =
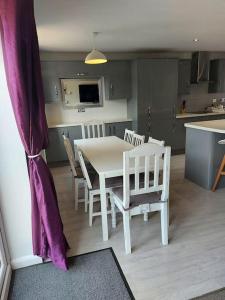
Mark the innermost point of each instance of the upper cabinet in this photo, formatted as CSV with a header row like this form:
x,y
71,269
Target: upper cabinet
x,y
118,80
184,76
116,76
51,83
217,76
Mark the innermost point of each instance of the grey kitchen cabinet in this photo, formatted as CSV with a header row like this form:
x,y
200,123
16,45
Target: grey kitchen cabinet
x,y
74,133
184,77
118,80
56,149
115,73
155,83
117,128
53,71
217,76
51,83
180,130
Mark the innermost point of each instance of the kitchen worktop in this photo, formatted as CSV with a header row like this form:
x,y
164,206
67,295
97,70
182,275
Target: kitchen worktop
x,y
78,123
217,126
192,115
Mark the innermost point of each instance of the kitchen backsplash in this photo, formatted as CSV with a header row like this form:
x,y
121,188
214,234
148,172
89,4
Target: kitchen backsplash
x,y
199,98
114,109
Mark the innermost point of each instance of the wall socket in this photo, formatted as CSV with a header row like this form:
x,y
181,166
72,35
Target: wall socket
x,y
81,109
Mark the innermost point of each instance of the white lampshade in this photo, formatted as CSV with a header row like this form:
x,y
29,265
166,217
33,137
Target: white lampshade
x,y
95,57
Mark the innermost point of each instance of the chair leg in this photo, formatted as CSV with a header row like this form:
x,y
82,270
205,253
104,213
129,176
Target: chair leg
x,y
91,198
145,216
126,228
76,187
164,223
85,197
218,175
113,211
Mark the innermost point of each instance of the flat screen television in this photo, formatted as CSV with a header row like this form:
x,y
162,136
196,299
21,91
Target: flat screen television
x,y
89,93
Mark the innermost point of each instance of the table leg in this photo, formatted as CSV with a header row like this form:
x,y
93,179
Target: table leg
x,y
103,207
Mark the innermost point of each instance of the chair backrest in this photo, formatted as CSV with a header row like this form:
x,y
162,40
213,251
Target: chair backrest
x,y
92,130
69,151
84,169
128,135
145,159
138,139
155,141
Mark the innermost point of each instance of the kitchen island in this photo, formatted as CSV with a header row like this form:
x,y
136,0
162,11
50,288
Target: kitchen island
x,y
203,153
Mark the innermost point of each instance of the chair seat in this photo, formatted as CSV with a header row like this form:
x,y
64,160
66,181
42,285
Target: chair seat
x,y
79,172
109,182
137,200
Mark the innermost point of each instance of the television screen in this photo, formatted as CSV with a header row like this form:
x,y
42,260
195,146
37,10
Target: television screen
x,y
89,93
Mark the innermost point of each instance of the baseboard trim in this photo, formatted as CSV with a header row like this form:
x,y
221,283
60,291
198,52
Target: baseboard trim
x,y
25,261
6,284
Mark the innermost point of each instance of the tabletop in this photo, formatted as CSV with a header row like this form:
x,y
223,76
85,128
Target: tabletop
x,y
105,154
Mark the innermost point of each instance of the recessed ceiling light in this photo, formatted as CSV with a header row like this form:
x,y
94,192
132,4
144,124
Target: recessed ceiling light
x,y
195,40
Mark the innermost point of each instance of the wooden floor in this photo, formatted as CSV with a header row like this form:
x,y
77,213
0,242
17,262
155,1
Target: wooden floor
x,y
194,261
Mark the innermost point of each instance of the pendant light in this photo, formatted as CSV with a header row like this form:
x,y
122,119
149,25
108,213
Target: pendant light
x,y
95,56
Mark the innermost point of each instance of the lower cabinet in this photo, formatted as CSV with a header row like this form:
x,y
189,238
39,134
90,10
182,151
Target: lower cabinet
x,y
56,150
179,135
117,129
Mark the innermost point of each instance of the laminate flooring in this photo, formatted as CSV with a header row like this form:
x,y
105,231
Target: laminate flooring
x,y
191,265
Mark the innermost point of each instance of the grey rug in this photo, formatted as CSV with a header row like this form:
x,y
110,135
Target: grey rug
x,y
215,295
95,275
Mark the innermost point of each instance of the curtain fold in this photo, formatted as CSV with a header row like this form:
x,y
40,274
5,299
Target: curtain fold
x,y
23,72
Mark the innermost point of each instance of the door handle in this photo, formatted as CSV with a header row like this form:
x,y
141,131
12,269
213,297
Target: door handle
x,y
112,89
149,120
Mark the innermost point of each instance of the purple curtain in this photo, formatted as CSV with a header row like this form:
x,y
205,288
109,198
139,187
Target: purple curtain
x,y
22,64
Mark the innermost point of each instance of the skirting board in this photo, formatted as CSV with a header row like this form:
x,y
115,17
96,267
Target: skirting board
x,y
25,261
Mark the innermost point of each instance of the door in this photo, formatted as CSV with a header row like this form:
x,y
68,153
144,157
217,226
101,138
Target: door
x,y
118,80
157,110
3,263
184,77
5,268
56,150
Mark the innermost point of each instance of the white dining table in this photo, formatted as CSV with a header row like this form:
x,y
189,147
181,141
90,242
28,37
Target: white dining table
x,y
106,156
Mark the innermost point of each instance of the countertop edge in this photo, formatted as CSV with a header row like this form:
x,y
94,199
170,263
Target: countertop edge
x,y
70,124
189,125
183,116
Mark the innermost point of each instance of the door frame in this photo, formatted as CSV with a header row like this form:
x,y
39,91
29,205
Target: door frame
x,y
8,270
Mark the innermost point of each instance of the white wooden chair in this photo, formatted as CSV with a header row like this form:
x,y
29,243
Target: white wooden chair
x,y
128,135
77,175
155,141
137,198
92,130
138,139
94,190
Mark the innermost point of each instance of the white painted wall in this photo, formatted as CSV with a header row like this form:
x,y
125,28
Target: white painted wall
x,y
112,109
15,202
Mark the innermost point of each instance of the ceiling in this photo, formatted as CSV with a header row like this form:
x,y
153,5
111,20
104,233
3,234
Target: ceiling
x,y
131,25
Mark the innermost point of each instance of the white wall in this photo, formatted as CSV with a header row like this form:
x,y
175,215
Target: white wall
x,y
15,202
112,109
